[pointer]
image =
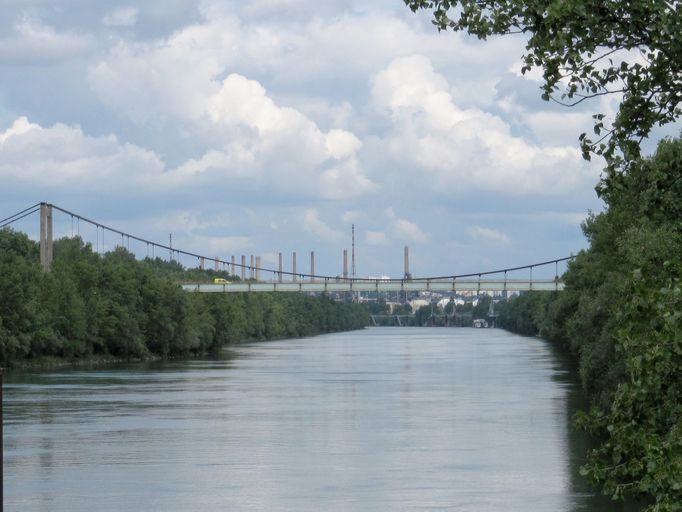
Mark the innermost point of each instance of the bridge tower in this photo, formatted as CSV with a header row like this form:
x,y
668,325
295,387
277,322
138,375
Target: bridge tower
x,y
46,246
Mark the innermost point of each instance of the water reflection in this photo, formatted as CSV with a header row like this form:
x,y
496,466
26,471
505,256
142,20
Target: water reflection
x,y
383,419
566,374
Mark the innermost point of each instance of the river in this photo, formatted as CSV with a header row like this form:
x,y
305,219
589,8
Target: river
x,y
385,419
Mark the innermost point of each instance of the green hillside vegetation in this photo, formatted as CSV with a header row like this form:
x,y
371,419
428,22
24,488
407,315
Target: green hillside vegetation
x,y
621,316
113,306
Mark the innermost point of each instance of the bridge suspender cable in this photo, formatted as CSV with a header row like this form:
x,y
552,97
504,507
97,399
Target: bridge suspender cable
x,y
172,250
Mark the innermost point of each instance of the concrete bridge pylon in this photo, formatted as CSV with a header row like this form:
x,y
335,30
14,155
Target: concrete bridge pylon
x,y
46,233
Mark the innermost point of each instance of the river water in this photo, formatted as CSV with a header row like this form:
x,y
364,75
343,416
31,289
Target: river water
x,y
385,419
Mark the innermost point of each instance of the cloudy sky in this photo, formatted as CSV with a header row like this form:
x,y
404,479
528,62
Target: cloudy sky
x,y
273,125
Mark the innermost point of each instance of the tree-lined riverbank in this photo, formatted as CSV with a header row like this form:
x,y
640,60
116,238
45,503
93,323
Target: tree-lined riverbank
x,y
112,306
621,317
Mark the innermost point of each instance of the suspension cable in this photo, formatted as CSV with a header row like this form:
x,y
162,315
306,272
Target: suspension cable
x,y
5,223
267,270
17,217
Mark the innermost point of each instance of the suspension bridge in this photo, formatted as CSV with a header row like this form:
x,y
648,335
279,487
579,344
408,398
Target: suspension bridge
x,y
249,277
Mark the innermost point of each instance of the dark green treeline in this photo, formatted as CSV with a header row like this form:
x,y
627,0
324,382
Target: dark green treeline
x,y
113,306
621,316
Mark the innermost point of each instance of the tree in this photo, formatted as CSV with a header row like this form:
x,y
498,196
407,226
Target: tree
x,y
641,452
589,48
621,315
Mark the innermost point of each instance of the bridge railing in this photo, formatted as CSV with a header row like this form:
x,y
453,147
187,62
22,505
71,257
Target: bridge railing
x,y
455,285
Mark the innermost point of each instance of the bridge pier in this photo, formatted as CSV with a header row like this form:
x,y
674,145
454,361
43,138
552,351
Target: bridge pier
x,y
46,245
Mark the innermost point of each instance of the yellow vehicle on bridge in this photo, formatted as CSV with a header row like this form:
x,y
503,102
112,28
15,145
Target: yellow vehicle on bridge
x,y
220,280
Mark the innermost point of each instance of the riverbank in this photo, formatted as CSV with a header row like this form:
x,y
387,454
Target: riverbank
x,y
620,315
92,307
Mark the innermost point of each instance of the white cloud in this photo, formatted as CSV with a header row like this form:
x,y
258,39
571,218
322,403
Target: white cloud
x,y
405,230
221,246
376,238
34,42
557,127
483,234
341,143
351,216
277,147
19,127
460,149
247,135
63,156
150,80
312,223
408,231
121,17
261,115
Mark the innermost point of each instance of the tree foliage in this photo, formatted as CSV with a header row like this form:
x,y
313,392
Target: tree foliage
x,y
113,306
586,49
621,315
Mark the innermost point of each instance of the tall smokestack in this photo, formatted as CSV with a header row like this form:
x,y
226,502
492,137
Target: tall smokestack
x,y
407,263
243,267
312,265
252,273
234,269
217,264
257,268
279,277
293,267
345,263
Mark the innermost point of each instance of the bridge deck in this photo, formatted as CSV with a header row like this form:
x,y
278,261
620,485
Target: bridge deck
x,y
483,285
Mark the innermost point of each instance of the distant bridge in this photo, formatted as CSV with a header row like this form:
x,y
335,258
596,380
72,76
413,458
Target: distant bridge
x,y
284,281
378,285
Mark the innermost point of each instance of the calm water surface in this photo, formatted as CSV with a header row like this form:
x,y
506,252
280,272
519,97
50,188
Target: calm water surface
x,y
385,419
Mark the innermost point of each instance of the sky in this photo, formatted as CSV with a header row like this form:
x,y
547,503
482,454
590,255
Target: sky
x,y
274,125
